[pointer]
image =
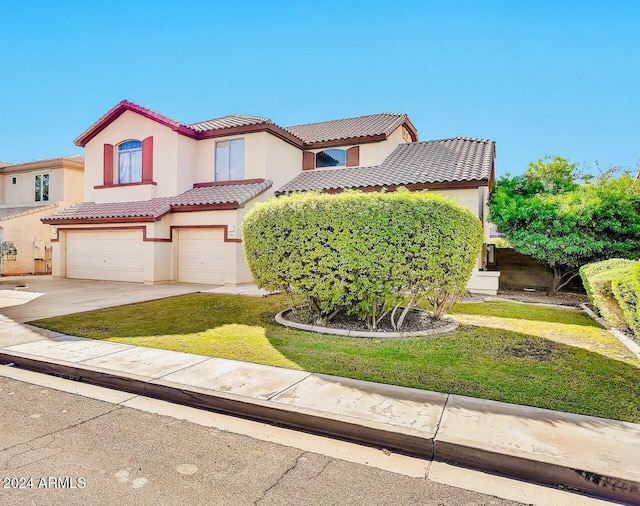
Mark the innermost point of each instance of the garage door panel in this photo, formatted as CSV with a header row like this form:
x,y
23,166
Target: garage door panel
x,y
201,256
105,255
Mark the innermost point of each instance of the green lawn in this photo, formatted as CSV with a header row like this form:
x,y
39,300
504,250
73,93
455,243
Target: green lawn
x,y
520,353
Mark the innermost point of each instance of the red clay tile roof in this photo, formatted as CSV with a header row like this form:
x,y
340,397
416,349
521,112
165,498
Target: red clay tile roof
x,y
229,121
7,213
349,128
235,195
459,160
300,135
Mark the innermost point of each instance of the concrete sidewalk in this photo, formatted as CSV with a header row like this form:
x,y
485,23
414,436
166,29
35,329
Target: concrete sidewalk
x,y
593,455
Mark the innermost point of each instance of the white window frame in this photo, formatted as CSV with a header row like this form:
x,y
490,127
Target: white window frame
x,y
41,197
128,152
226,155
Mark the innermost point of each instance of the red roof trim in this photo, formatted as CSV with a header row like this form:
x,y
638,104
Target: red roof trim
x,y
119,185
77,221
185,208
119,109
187,131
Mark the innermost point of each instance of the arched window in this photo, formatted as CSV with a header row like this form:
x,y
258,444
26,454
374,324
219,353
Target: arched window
x,y
130,162
331,158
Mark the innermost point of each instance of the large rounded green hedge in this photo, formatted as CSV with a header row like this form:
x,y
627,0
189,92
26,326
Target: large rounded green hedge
x,y
362,253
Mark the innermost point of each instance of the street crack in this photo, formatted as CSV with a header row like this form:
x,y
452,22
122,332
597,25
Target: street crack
x,y
282,477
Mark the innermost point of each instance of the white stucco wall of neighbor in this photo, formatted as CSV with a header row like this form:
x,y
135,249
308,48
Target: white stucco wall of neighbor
x,y
29,240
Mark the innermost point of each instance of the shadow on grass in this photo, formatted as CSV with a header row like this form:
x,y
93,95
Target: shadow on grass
x,y
479,362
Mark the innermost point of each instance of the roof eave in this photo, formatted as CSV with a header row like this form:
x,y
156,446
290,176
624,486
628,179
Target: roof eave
x,y
84,221
50,163
366,139
440,185
118,111
246,129
204,207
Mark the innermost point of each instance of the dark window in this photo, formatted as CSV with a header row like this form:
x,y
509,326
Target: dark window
x,y
331,158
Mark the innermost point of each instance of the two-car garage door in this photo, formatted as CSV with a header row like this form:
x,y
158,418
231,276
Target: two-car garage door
x,y
105,255
112,255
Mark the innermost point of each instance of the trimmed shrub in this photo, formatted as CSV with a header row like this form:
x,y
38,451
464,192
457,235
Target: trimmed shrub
x,y
605,300
362,253
587,272
627,292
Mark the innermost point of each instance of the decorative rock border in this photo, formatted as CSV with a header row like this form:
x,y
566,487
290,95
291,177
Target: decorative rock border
x,y
363,333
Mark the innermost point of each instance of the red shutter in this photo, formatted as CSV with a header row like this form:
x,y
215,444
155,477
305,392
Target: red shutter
x,y
107,171
353,156
308,160
147,160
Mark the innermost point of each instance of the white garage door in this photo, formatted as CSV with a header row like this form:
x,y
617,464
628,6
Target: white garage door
x,y
201,256
107,255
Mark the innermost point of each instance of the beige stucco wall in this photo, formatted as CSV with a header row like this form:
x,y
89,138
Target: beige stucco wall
x,y
254,156
25,229
130,126
265,157
161,257
472,198
62,182
30,237
283,162
186,164
374,153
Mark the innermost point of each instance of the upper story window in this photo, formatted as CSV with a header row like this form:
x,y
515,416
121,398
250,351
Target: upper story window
x,y
42,187
331,158
130,162
230,160
14,180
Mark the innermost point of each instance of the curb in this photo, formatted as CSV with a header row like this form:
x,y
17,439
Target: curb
x,y
407,441
369,433
631,345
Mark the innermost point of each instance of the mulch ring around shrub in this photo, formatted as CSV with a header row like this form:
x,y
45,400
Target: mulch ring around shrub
x,y
417,322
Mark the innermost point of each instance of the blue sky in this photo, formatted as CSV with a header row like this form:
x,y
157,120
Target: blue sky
x,y
543,77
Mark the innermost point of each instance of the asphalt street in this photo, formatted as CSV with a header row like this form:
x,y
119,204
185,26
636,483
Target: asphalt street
x,y
58,448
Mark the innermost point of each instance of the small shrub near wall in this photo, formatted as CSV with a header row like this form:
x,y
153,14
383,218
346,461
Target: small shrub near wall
x,y
365,254
626,290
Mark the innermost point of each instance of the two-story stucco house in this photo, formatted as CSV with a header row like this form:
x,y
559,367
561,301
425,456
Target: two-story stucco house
x,y
164,200
28,192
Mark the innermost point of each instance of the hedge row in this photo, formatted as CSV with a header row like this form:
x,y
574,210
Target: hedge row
x,y
613,287
362,253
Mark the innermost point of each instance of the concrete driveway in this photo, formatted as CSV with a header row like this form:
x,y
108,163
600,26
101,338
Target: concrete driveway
x,y
26,298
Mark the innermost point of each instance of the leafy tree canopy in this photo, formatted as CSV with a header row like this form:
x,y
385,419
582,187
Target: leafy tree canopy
x,y
565,219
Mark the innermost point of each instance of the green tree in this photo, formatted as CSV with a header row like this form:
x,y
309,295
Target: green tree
x,y
564,219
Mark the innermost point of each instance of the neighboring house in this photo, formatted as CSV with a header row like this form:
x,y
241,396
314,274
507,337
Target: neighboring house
x,y
28,192
164,200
